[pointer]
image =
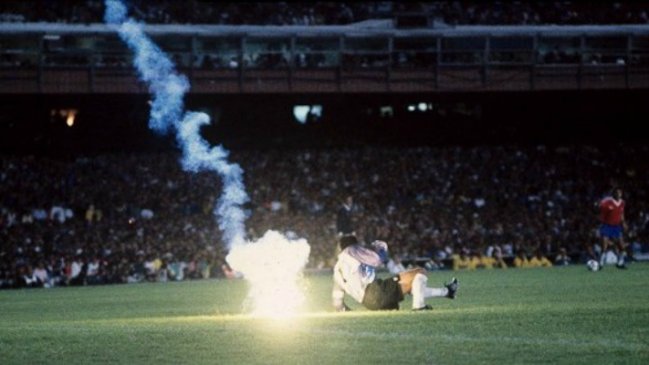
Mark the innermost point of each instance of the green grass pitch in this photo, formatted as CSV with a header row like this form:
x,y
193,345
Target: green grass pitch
x,y
516,316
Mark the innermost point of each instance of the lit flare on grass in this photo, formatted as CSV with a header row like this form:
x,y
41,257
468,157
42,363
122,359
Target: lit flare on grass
x,y
273,266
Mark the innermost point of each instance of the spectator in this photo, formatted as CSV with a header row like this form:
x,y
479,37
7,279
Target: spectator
x,y
93,276
539,260
521,260
463,260
395,265
562,258
344,217
43,277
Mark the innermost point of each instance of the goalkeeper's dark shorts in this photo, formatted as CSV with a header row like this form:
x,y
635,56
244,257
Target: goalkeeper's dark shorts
x,y
383,294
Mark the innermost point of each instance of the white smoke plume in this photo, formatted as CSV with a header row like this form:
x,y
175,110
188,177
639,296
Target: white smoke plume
x,y
273,264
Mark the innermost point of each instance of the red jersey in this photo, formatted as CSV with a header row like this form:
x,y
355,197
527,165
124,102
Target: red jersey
x,y
611,211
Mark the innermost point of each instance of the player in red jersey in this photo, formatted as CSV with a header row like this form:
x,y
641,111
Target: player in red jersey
x,y
611,216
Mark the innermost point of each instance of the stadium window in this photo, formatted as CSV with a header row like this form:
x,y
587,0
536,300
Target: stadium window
x,y
316,52
462,50
267,53
19,51
215,52
556,50
605,50
511,49
414,52
640,50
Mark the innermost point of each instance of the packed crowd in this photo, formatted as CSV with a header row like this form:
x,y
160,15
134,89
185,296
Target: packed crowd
x,y
536,12
196,12
128,218
332,13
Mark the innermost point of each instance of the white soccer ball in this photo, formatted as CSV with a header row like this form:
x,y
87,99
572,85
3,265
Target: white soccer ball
x,y
592,265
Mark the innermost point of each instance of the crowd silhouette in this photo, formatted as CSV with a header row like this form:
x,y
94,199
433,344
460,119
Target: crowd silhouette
x,y
332,13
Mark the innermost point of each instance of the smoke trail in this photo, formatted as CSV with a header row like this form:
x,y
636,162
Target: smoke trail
x,y
168,88
273,264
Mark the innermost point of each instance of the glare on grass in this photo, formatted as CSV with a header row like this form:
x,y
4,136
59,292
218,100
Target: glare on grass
x,y
273,267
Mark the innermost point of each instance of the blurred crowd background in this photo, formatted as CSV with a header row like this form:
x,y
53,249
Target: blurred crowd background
x,y
332,13
117,218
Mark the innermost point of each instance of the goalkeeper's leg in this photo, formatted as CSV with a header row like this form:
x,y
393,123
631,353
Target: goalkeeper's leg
x,y
420,292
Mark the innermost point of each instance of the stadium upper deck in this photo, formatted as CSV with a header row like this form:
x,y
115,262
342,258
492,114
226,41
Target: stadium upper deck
x,y
381,53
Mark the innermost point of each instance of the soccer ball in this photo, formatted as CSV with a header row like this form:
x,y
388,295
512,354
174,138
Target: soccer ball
x,y
592,265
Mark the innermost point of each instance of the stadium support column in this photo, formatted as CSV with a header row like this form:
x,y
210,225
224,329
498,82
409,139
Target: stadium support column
x,y
39,70
91,72
533,60
388,66
339,69
193,44
242,47
627,63
438,47
580,69
485,61
291,63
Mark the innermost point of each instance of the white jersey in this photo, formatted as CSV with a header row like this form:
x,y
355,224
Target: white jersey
x,y
354,271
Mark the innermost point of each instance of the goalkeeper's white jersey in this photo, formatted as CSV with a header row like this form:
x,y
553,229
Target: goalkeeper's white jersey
x,y
351,275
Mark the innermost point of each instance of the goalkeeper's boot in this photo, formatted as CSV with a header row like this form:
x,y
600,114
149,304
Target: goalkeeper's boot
x,y
452,288
424,308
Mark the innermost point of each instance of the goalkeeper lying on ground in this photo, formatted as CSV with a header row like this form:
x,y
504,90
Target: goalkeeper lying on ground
x,y
355,274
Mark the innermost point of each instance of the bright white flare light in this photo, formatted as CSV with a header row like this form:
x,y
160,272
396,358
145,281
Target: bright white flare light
x,y
273,266
72,113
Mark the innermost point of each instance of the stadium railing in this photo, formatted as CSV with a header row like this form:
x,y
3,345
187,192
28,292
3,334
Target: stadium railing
x,y
374,57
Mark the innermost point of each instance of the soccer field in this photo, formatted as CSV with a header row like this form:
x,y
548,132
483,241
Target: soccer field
x,y
560,315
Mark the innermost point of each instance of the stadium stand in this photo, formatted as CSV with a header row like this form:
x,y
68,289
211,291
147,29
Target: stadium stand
x,y
61,58
105,219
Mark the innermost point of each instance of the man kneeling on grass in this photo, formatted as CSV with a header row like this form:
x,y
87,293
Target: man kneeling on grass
x,y
355,274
